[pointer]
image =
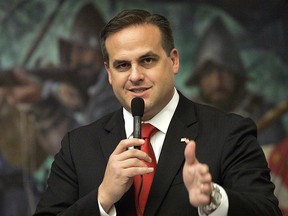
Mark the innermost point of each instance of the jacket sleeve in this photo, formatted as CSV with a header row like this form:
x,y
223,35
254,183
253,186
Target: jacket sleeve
x,y
245,173
62,194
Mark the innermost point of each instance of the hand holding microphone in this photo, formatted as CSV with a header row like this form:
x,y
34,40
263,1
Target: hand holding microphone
x,y
119,167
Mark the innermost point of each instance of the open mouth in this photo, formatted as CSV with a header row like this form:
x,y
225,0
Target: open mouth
x,y
138,90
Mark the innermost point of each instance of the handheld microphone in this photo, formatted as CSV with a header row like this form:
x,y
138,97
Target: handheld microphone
x,y
137,108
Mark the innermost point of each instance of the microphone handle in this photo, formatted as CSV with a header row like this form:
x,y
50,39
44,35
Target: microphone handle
x,y
137,128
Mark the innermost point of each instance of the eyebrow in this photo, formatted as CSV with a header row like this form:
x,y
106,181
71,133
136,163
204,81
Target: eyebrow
x,y
117,62
148,54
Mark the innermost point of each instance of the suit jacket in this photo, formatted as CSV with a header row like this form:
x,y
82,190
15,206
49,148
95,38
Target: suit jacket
x,y
225,142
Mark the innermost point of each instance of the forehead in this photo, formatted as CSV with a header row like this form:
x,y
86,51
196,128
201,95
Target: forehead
x,y
135,39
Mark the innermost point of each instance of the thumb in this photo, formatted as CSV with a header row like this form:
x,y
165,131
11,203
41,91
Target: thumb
x,y
190,153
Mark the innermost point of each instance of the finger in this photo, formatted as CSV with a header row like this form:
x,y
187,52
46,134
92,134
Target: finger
x,y
134,171
135,153
132,162
207,178
127,143
206,188
203,199
199,197
203,169
128,167
190,153
203,174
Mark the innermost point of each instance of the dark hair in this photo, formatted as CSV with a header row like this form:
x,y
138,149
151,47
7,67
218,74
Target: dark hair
x,y
130,17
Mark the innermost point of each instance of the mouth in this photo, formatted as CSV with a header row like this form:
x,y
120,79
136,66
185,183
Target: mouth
x,y
138,91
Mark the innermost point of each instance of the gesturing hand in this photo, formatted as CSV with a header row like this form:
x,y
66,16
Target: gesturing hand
x,y
122,166
197,177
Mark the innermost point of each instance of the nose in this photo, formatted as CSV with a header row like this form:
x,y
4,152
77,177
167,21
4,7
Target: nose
x,y
136,74
217,76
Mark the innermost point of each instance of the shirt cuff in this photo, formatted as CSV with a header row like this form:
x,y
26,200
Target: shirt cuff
x,y
222,208
112,211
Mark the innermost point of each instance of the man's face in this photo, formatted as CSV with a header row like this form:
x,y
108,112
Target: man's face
x,y
217,87
139,67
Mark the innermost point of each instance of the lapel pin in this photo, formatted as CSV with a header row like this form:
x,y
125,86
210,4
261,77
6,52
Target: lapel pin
x,y
184,139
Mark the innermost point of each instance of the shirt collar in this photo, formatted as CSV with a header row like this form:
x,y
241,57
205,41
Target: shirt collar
x,y
161,120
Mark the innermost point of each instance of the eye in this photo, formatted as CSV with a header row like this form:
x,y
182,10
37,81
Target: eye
x,y
123,66
148,62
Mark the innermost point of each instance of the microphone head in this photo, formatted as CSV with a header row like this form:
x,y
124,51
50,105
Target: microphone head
x,y
137,106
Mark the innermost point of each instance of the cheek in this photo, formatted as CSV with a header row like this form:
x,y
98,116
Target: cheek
x,y
165,76
206,83
211,81
117,81
230,83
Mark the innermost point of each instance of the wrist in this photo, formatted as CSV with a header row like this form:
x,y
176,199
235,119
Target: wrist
x,y
103,199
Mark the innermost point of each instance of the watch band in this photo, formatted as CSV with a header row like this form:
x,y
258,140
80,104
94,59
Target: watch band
x,y
216,197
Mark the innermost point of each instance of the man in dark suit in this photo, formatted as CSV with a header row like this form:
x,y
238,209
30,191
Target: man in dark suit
x,y
94,171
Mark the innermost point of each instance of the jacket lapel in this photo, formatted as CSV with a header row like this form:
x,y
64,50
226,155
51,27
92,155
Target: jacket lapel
x,y
114,132
183,124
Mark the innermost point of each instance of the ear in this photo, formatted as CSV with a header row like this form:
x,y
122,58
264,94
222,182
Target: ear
x,y
107,68
174,55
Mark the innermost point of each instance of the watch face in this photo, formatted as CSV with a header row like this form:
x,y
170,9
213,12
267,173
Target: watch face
x,y
216,196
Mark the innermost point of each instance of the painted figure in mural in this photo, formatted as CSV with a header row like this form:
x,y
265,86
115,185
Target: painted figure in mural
x,y
56,104
87,95
83,52
221,79
85,99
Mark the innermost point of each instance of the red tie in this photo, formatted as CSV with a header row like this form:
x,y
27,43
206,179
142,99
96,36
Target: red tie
x,y
142,191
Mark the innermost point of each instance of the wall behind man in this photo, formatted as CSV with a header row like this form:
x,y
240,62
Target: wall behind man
x,y
259,28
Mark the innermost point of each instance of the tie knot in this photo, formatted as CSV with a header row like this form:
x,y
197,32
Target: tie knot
x,y
148,130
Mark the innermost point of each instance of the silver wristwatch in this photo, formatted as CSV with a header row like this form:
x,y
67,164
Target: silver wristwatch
x,y
215,201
